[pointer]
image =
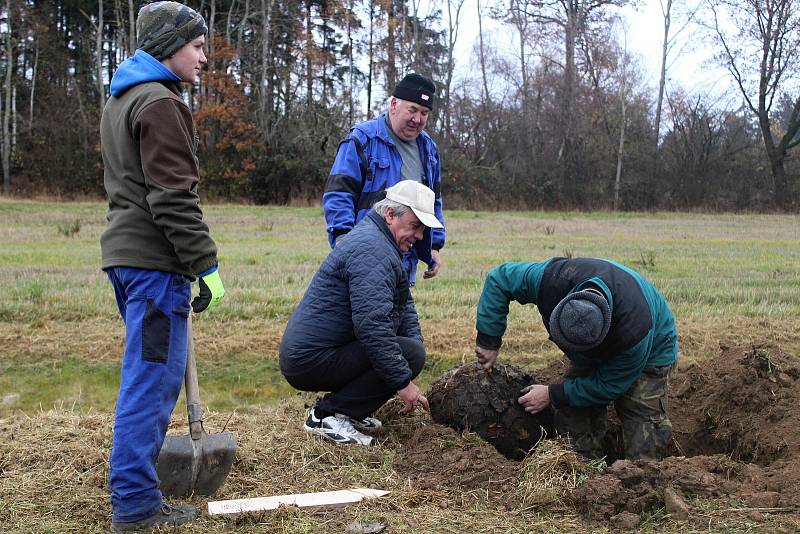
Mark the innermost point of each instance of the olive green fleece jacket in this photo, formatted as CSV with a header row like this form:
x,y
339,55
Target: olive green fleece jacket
x,y
149,145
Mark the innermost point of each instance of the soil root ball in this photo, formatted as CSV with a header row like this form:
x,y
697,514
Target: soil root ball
x,y
469,398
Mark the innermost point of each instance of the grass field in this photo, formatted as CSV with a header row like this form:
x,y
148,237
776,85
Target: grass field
x,y
730,279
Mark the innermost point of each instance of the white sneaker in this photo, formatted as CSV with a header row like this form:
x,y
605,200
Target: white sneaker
x,y
336,429
364,425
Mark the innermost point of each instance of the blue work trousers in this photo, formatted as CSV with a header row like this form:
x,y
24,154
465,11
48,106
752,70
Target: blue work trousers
x,y
155,308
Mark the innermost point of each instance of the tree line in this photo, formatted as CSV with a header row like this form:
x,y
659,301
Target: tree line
x,y
564,120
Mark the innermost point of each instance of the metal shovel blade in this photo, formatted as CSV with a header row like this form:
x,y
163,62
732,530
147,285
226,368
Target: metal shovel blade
x,y
197,462
200,466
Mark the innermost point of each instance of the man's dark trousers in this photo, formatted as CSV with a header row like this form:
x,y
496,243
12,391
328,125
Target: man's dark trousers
x,y
355,388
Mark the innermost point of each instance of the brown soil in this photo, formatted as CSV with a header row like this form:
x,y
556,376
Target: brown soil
x,y
736,440
438,459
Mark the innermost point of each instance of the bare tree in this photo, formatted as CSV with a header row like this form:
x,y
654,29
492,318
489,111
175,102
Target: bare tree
x,y
453,16
482,56
574,18
758,43
98,43
623,108
668,43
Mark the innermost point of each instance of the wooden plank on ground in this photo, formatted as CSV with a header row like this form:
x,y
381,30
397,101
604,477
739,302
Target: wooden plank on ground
x,y
322,500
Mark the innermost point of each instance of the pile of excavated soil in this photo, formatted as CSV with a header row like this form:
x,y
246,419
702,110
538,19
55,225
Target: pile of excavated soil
x,y
735,419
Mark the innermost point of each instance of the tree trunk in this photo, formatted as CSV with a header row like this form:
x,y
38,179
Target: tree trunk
x,y
101,88
33,85
309,55
212,16
452,37
351,65
7,107
621,149
482,57
371,54
565,153
667,13
132,22
391,52
265,85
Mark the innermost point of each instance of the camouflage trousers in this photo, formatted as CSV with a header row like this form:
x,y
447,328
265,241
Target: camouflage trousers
x,y
642,410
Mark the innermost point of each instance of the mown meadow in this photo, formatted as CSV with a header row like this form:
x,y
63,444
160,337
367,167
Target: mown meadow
x,y
731,279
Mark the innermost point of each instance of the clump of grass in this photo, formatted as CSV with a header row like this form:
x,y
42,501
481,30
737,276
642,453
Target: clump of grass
x,y
647,258
69,229
551,472
762,360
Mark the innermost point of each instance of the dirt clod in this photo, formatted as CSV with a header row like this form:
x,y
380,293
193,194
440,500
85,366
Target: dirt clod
x,y
674,504
625,521
469,398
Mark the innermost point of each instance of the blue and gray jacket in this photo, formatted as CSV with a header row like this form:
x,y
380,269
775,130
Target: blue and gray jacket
x,y
642,329
360,293
367,163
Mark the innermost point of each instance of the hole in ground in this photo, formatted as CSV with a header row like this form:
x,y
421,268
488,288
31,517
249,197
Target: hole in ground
x,y
743,404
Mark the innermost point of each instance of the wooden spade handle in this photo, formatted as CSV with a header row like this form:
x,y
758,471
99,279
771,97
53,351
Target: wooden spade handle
x,y
194,412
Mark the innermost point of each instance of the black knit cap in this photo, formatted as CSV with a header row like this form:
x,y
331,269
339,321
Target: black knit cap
x,y
416,88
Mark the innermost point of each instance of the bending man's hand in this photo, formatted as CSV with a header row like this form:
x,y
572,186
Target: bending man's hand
x,y
436,263
412,398
536,398
211,291
486,356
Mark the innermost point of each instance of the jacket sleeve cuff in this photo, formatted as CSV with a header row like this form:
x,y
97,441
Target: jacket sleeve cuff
x,y
488,342
207,271
558,398
205,265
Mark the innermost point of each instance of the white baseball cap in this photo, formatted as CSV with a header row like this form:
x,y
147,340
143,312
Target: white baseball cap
x,y
417,197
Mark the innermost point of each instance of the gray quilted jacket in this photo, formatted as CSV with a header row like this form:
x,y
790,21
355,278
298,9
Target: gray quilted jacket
x,y
360,292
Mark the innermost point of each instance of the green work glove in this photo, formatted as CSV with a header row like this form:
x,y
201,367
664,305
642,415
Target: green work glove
x,y
211,291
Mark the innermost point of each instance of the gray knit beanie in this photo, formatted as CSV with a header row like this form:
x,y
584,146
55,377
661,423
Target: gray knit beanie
x,y
580,321
162,28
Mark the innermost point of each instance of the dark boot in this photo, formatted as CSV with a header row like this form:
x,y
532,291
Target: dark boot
x,y
168,516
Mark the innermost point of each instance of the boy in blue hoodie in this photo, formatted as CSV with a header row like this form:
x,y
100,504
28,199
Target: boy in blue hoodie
x,y
156,243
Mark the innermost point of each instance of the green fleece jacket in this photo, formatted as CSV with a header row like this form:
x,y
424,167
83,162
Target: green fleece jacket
x,y
149,145
642,329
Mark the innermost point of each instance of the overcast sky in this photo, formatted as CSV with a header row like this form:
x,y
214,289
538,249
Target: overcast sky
x,y
645,27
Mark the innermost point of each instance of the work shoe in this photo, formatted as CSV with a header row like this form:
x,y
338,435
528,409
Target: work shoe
x,y
168,516
336,429
364,425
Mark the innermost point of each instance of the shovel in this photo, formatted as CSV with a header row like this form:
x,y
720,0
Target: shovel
x,y
197,462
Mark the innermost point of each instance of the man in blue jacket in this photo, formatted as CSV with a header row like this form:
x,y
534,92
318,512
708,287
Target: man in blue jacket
x,y
355,333
380,153
618,333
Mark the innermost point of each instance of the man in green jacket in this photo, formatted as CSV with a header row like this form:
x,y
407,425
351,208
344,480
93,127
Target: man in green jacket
x,y
155,245
618,333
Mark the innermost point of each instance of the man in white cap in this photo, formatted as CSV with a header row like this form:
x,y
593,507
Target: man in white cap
x,y
355,333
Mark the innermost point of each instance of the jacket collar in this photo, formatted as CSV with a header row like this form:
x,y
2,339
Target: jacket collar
x,y
383,227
